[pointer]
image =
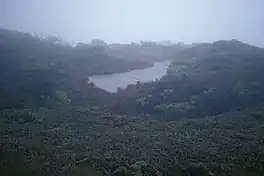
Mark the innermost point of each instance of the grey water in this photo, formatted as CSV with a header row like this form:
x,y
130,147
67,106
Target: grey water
x,y
111,82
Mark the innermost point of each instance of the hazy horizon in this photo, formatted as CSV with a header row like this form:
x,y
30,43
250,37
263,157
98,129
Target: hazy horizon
x,y
121,21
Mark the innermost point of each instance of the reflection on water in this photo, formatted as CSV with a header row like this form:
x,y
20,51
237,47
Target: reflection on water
x,y
111,82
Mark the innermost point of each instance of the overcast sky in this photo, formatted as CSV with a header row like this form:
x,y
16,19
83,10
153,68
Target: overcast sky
x,y
134,20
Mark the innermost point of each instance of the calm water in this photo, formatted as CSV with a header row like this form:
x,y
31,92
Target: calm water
x,y
111,82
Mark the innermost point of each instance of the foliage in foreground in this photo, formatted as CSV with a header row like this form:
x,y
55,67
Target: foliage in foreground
x,y
59,139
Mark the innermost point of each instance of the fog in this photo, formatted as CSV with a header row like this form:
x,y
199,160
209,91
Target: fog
x,y
134,20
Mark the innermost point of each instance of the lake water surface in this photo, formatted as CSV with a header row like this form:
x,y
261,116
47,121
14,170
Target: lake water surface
x,y
110,82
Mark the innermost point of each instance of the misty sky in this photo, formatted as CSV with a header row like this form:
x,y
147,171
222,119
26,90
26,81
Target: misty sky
x,y
134,20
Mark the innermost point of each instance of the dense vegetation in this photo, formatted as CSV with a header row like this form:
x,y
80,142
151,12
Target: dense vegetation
x,y
216,78
32,68
205,117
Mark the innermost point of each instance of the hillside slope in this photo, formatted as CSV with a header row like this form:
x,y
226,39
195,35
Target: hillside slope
x,y
204,118
204,80
33,68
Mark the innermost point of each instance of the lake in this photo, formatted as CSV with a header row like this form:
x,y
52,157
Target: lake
x,y
110,82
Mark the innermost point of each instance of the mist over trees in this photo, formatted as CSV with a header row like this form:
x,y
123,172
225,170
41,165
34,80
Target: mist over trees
x,y
205,117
